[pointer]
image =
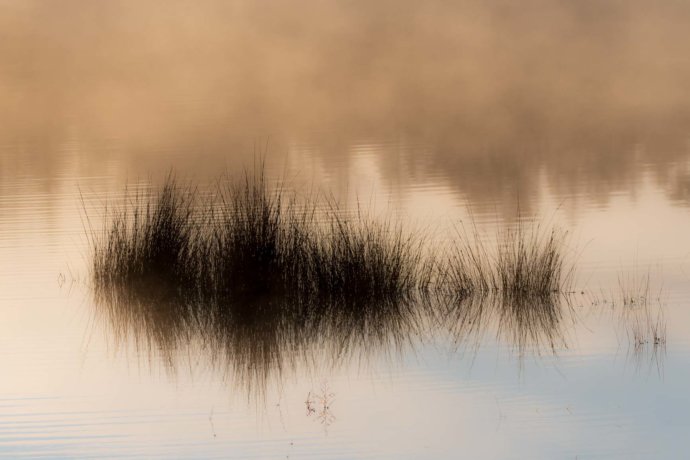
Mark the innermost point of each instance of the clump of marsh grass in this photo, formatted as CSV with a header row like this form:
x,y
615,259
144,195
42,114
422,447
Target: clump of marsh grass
x,y
527,262
531,261
259,240
151,242
257,279
257,257
367,259
255,240
519,285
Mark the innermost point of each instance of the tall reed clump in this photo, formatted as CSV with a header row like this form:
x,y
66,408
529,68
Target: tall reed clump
x,y
151,242
255,240
526,262
531,261
264,242
367,259
258,242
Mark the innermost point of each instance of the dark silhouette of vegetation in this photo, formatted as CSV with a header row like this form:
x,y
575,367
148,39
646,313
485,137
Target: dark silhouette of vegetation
x,y
526,262
258,241
151,243
254,240
259,279
362,258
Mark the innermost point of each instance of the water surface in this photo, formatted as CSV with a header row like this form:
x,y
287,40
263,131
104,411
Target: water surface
x,y
440,113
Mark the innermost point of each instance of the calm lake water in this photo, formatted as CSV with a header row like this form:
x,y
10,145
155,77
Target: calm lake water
x,y
440,113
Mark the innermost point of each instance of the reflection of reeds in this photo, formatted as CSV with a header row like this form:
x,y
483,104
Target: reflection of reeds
x,y
526,323
644,326
257,281
640,310
638,305
257,341
647,336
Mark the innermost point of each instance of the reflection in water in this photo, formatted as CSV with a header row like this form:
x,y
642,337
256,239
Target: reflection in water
x,y
266,291
318,405
591,97
526,323
260,341
435,103
641,308
648,357
638,307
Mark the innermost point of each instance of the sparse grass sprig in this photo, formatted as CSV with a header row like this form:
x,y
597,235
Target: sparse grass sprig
x,y
637,299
